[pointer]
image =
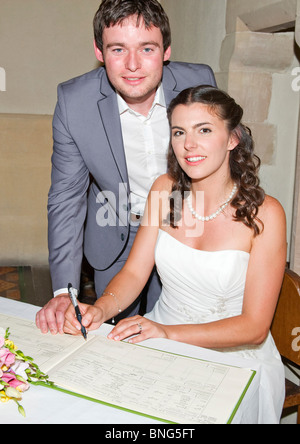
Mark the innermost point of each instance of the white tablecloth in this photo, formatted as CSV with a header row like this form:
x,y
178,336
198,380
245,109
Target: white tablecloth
x,y
46,406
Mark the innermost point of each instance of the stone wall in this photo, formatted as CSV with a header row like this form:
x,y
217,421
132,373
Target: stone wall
x,y
44,42
295,254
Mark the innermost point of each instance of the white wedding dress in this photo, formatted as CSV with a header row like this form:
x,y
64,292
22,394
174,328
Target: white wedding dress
x,y
200,287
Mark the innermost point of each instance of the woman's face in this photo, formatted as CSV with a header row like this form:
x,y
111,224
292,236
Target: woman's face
x,y
201,141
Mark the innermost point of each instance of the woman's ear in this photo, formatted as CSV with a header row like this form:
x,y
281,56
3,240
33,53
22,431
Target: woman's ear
x,y
234,140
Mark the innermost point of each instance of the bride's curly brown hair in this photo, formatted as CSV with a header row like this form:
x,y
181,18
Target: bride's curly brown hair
x,y
244,164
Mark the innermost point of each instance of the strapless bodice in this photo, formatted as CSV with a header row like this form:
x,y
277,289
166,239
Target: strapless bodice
x,y
198,286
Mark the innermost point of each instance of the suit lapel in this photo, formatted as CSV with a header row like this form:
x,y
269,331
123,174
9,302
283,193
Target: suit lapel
x,y
109,113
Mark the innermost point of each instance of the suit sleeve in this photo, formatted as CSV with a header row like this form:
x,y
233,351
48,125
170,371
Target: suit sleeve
x,y
205,75
67,202
211,76
187,75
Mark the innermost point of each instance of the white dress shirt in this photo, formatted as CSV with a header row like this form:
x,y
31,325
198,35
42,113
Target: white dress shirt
x,y
146,141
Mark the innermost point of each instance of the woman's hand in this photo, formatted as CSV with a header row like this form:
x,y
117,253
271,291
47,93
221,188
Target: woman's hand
x,y
142,327
92,318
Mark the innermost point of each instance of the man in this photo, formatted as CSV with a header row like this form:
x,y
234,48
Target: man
x,y
111,137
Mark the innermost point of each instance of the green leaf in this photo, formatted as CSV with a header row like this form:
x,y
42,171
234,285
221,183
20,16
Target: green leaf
x,y
19,378
21,410
7,334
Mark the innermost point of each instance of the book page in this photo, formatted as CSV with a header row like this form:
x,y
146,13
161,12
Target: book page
x,y
46,349
152,382
147,381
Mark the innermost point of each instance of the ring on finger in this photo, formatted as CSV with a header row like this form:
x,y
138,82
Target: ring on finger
x,y
140,327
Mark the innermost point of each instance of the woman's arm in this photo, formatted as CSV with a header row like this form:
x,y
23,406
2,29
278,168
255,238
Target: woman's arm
x,y
263,283
127,285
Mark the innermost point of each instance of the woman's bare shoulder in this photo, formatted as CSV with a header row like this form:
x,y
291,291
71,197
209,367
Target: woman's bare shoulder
x,y
271,210
273,217
163,183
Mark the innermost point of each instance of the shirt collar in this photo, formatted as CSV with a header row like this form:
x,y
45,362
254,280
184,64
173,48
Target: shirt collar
x,y
158,100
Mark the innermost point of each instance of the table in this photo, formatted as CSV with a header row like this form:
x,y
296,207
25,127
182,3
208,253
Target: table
x,y
46,406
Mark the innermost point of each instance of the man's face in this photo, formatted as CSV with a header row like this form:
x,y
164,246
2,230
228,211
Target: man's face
x,y
133,57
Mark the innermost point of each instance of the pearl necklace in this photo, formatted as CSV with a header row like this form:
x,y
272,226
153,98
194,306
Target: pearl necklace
x,y
214,215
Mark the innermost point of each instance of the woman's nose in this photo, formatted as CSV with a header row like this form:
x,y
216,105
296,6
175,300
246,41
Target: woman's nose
x,y
189,142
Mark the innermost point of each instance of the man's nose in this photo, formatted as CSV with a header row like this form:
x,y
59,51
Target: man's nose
x,y
133,61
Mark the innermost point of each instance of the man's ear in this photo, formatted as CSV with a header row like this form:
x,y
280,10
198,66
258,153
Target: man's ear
x,y
167,54
98,53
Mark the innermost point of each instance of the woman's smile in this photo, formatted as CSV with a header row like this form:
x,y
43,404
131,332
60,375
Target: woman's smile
x,y
195,160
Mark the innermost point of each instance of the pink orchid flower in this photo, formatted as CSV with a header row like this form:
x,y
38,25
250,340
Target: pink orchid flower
x,y
11,379
6,358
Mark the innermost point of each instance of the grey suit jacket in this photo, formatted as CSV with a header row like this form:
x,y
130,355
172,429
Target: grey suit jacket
x,y
88,198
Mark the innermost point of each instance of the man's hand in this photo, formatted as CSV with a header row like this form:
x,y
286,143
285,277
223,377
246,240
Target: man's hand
x,y
52,315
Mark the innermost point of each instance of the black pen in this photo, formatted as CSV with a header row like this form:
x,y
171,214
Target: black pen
x,y
73,298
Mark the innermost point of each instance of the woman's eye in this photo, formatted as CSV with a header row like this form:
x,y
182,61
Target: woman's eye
x,y
177,133
205,131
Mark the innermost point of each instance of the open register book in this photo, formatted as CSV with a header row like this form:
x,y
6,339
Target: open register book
x,y
165,386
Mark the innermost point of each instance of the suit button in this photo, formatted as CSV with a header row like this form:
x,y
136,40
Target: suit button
x,y
122,237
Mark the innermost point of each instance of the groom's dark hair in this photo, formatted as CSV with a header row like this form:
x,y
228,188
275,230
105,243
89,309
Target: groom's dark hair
x,y
113,12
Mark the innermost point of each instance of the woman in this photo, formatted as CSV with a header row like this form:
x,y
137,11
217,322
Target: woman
x,y
218,241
